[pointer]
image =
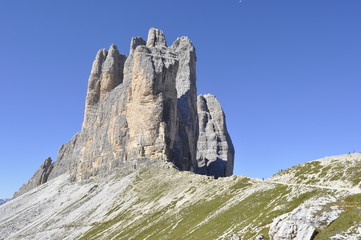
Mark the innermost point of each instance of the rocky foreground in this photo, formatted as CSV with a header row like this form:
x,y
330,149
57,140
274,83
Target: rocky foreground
x,y
161,202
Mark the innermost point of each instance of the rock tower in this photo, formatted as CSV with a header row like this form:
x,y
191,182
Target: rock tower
x,y
143,109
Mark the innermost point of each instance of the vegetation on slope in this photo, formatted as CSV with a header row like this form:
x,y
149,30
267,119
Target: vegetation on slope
x,y
349,220
187,206
342,171
162,203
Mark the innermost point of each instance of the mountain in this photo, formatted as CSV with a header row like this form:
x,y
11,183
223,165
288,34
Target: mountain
x,y
142,110
160,202
155,161
2,201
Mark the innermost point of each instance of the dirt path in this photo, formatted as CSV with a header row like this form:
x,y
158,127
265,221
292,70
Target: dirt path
x,y
351,190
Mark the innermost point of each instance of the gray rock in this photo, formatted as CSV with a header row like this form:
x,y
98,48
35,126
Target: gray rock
x,y
142,110
185,149
112,71
40,177
135,121
135,42
67,156
106,74
93,94
215,154
236,238
302,222
156,38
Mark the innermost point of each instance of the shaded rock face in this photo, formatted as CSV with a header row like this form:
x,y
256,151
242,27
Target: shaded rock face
x,y
187,127
215,149
40,177
140,110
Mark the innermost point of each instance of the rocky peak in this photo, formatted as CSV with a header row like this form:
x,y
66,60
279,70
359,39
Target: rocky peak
x,y
215,149
112,71
135,42
106,74
187,103
156,38
110,64
183,43
98,62
142,110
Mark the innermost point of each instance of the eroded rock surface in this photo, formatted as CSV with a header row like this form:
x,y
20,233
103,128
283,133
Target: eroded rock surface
x,y
106,74
302,222
215,149
185,149
142,109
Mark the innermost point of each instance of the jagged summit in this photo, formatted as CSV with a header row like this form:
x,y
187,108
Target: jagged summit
x,y
156,38
141,110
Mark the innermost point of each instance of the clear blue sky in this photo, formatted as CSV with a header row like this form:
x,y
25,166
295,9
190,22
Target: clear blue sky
x,y
287,72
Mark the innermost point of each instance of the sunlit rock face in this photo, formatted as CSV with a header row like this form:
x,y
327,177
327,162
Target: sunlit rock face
x,y
141,109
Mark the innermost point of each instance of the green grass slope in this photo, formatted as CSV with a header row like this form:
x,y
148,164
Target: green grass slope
x,y
161,203
180,205
337,171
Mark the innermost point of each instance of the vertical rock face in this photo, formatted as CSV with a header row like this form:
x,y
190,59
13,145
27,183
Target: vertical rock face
x,y
185,151
215,154
156,38
152,101
135,42
142,109
135,122
106,74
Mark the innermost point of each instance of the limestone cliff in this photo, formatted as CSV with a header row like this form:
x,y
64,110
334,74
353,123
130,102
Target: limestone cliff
x,y
187,127
141,109
215,149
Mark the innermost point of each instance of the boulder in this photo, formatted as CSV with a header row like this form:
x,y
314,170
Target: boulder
x,y
302,223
